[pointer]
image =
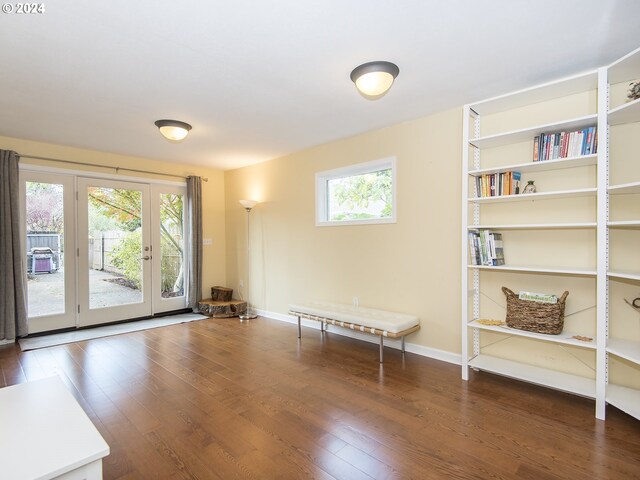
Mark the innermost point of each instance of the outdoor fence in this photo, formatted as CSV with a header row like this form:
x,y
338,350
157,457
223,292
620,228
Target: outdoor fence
x,y
101,248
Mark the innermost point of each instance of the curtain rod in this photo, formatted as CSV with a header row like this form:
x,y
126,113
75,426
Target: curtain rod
x,y
117,169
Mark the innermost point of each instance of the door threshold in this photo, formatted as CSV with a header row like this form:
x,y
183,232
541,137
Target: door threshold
x,y
127,320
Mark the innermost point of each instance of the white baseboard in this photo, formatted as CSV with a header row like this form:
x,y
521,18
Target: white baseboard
x,y
6,342
434,353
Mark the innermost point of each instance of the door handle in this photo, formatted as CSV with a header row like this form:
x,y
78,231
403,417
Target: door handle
x,y
146,257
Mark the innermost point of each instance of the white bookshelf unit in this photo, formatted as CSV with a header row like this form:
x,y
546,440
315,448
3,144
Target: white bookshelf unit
x,y
542,226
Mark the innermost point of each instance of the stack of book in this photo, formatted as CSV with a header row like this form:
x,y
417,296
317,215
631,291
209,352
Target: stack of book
x,y
498,184
549,146
486,248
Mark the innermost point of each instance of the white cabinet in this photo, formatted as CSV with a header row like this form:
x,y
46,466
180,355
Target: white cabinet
x,y
579,232
45,434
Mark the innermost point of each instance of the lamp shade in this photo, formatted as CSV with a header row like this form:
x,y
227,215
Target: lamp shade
x,y
373,79
173,130
248,204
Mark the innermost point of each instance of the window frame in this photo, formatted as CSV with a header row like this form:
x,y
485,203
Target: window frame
x,y
322,198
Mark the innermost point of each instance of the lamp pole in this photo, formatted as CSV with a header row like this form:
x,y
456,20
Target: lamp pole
x,y
249,314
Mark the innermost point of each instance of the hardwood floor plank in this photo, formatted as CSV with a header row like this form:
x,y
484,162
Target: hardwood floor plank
x,y
191,463
365,462
11,369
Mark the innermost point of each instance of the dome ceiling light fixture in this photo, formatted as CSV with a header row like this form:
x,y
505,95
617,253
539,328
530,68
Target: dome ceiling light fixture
x,y
173,130
374,79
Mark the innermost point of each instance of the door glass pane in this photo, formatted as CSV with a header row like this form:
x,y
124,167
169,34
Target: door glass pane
x,y
115,246
171,245
45,248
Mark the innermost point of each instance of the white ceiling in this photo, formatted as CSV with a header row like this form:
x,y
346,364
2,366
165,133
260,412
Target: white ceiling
x,y
259,79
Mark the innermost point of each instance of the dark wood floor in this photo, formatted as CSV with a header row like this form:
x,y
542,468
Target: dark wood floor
x,y
222,399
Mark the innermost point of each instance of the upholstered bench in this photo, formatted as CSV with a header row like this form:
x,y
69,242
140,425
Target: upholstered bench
x,y
361,319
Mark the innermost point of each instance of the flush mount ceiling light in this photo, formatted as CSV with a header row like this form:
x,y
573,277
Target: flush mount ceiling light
x,y
173,130
373,79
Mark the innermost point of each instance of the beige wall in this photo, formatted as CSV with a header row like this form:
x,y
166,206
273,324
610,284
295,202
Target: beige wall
x,y
412,266
212,191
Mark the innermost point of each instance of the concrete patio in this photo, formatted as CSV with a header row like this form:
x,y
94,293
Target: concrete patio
x,y
46,292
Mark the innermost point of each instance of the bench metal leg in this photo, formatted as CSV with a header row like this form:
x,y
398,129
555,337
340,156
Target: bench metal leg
x,y
381,348
403,344
299,329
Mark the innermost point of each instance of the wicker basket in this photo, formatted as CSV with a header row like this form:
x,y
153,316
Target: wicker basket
x,y
535,316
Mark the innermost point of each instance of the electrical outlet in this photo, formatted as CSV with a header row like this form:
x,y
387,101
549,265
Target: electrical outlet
x,y
356,301
241,283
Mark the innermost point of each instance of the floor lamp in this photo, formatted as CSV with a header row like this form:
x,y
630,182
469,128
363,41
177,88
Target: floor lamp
x,y
249,314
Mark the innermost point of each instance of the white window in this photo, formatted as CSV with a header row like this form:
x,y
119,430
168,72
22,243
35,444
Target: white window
x,y
358,194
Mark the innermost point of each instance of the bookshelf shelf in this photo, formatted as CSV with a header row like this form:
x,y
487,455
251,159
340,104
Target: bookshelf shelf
x,y
624,275
525,134
542,166
536,226
628,224
523,197
625,398
565,382
564,338
557,89
625,68
625,189
626,113
552,270
626,349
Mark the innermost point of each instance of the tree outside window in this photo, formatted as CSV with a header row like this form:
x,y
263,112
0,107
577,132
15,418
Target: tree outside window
x,y
357,194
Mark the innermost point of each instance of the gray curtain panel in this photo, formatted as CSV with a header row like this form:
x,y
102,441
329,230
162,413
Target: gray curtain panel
x,y
13,298
194,213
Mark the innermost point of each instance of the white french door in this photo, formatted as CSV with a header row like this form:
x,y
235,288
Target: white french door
x,y
115,251
48,210
101,250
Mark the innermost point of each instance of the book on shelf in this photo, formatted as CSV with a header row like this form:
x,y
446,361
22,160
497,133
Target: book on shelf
x,y
486,248
497,184
495,239
474,250
515,181
552,146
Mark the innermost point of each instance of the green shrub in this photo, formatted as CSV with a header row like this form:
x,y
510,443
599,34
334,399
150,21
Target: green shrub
x,y
127,257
